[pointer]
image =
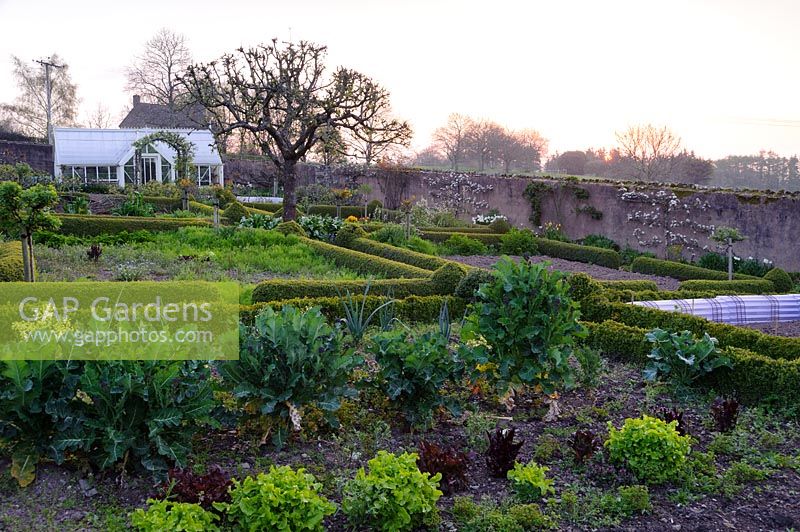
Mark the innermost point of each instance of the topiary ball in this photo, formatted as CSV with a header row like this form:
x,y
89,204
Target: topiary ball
x,y
234,213
290,228
348,234
446,279
781,280
500,226
469,285
582,286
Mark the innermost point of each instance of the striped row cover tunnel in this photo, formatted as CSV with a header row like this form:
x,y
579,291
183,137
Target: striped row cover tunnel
x,y
736,310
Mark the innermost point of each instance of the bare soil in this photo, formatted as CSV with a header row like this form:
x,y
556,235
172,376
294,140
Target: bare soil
x,y
57,501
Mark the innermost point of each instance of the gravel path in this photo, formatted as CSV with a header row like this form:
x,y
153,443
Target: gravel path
x,y
788,328
597,272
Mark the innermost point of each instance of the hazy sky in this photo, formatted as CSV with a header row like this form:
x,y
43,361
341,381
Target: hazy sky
x,y
724,74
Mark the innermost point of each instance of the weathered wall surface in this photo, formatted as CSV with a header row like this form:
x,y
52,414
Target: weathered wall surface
x,y
648,218
38,156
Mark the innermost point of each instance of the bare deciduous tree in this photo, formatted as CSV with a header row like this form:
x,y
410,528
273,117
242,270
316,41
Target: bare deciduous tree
x,y
484,139
282,96
100,118
652,151
28,113
451,139
153,75
379,135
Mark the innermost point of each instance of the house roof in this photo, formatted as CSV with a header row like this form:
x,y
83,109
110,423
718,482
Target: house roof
x,y
153,115
113,147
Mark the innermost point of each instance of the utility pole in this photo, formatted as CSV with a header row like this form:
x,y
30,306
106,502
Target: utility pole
x,y
49,89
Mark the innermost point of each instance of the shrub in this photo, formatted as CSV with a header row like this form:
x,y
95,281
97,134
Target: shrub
x,y
463,245
678,270
652,449
414,371
411,309
372,206
518,242
753,267
285,289
599,241
96,225
753,286
234,213
365,263
469,285
394,495
11,261
713,261
290,228
681,357
530,482
499,226
289,360
635,286
168,515
445,280
282,499
780,280
421,245
398,254
348,234
574,252
752,377
526,323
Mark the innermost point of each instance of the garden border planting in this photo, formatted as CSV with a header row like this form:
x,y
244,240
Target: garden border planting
x,y
754,286
10,261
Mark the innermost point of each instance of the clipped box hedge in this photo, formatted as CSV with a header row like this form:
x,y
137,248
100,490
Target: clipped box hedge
x,y
11,261
330,210
365,263
750,286
634,286
680,271
442,282
776,347
578,253
468,229
490,239
93,225
406,256
411,309
753,378
266,207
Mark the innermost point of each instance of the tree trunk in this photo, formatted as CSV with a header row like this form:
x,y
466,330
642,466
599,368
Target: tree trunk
x,y
27,259
730,259
289,195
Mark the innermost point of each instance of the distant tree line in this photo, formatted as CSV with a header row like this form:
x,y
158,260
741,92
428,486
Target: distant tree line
x,y
464,143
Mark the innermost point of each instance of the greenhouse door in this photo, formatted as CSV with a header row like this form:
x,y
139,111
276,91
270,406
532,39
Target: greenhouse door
x,y
149,168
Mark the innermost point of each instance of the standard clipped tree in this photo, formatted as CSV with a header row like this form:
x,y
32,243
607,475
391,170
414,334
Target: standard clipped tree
x,y
24,211
283,96
726,236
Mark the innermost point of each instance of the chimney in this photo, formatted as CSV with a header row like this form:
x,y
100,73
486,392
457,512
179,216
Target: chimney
x,y
136,100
